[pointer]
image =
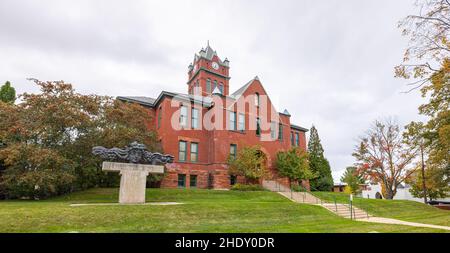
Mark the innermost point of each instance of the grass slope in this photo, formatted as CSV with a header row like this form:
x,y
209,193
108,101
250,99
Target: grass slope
x,y
399,209
203,211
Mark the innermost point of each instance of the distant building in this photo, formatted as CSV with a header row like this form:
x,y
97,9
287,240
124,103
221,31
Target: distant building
x,y
340,187
373,191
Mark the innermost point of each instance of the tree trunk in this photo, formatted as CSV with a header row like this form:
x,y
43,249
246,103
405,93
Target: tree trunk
x,y
390,193
423,177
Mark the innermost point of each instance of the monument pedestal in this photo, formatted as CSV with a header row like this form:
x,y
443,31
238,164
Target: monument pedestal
x,y
133,180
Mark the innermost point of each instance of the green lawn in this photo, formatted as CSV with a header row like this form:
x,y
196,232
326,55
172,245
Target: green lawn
x,y
202,211
399,209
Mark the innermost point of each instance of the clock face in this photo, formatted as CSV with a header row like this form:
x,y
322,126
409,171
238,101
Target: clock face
x,y
215,65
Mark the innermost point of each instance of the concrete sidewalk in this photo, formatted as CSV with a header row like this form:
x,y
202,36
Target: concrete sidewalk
x,y
340,209
400,222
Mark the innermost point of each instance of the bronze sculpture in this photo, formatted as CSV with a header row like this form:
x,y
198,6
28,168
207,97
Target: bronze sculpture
x,y
134,153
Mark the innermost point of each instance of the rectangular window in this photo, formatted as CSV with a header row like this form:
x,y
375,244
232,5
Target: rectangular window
x,y
297,141
233,151
196,88
194,119
241,126
273,130
181,180
232,121
193,181
194,152
233,179
208,85
183,116
182,151
258,127
292,139
280,132
159,117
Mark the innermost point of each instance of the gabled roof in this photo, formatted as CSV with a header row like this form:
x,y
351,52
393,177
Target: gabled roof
x,y
151,102
299,128
241,90
147,101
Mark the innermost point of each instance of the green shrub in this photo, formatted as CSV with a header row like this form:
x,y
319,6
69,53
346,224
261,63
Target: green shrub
x,y
37,184
247,187
90,177
298,188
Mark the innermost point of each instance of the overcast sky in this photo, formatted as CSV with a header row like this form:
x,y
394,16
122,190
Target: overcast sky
x,y
330,63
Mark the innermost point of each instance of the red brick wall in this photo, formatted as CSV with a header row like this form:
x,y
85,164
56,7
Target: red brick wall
x,y
214,145
202,75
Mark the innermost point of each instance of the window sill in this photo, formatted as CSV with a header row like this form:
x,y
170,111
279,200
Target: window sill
x,y
189,162
237,131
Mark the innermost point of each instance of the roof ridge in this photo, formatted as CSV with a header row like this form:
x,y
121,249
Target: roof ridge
x,y
244,87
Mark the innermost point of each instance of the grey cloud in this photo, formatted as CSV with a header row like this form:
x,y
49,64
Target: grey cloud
x,y
330,63
85,31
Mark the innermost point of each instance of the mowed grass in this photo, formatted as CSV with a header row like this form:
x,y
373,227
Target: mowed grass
x,y
399,209
202,211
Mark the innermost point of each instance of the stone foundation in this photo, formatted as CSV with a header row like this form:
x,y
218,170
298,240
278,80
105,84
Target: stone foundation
x,y
213,176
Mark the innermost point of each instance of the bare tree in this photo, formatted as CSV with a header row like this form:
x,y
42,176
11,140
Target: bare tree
x,y
429,34
383,157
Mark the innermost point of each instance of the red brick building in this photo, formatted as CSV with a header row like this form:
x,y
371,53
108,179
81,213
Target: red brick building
x,y
206,125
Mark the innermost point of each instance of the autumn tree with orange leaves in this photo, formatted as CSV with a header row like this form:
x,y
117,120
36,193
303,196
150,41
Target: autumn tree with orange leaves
x,y
48,136
383,157
426,66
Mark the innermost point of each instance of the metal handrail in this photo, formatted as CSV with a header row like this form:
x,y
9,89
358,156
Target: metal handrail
x,y
335,204
350,209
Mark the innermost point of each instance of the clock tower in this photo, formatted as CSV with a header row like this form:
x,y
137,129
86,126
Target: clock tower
x,y
207,73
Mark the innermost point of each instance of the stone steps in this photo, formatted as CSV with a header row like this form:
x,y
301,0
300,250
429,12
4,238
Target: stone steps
x,y
342,210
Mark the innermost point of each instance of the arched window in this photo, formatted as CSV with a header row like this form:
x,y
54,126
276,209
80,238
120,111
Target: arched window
x,y
221,88
257,99
215,84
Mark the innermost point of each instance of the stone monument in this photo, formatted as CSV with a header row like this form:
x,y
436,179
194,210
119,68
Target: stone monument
x,y
134,163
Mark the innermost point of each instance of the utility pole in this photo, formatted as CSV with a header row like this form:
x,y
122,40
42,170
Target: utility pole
x,y
423,174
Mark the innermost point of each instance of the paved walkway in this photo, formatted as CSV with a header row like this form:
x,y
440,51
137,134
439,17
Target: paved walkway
x,y
400,222
340,209
118,204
